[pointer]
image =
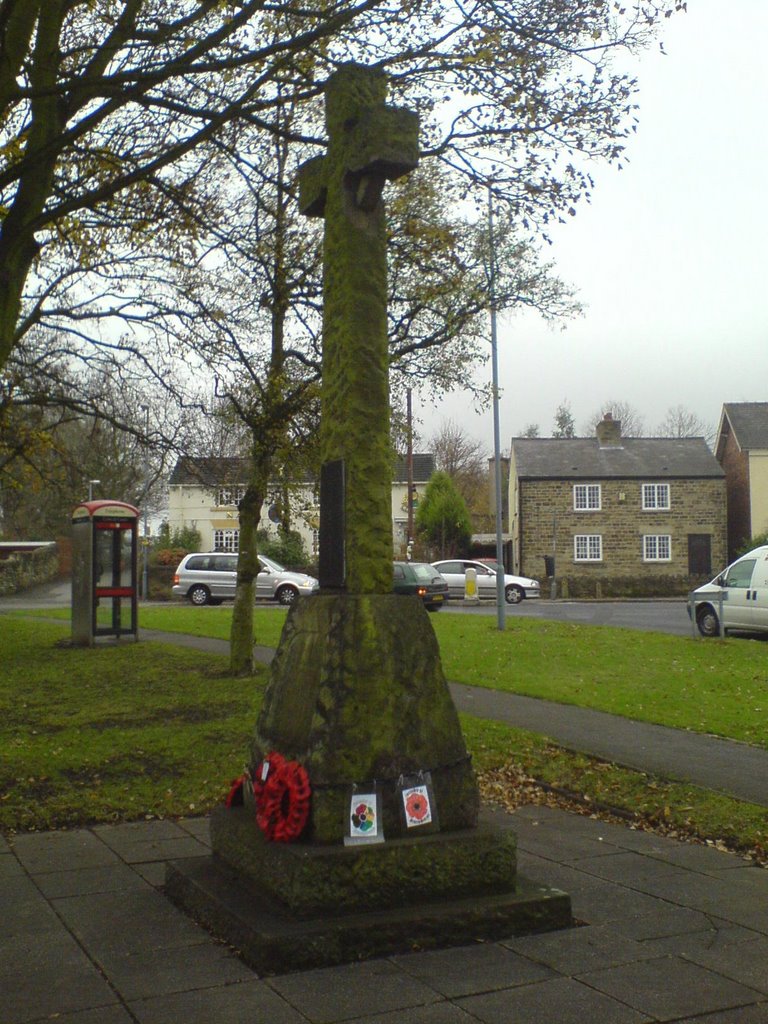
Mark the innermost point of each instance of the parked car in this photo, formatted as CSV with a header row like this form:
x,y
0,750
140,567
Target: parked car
x,y
739,593
421,579
210,577
516,588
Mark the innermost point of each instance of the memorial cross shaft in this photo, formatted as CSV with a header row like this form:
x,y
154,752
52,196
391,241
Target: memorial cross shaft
x,y
369,143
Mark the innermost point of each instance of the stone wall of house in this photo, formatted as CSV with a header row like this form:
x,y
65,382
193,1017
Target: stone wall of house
x,y
735,463
549,522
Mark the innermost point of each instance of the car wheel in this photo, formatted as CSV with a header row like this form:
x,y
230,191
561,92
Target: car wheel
x,y
514,594
199,594
433,607
287,595
707,621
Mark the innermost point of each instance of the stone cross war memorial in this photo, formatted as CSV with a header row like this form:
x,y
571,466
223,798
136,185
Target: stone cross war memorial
x,y
356,829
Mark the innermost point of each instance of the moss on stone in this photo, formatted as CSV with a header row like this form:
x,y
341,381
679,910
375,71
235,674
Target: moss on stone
x,y
357,693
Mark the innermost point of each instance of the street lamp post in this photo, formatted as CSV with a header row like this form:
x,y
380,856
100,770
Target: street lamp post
x,y
500,570
91,484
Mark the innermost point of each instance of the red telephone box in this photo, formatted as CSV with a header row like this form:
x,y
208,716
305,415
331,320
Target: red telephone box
x,y
104,576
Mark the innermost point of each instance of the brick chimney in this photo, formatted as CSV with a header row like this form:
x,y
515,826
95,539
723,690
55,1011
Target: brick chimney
x,y
609,432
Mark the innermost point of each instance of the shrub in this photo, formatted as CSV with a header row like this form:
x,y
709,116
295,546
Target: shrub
x,y
170,556
287,548
171,546
756,542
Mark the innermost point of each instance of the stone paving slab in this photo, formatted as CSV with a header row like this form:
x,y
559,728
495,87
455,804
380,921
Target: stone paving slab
x,y
142,842
161,972
251,1001
61,851
468,969
117,877
146,921
329,995
577,950
46,974
670,988
559,1001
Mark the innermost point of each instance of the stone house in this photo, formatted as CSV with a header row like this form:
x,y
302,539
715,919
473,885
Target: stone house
x,y
741,449
619,516
204,493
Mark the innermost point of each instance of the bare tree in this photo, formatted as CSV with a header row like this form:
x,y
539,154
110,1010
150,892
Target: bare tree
x,y
464,459
632,422
681,422
109,112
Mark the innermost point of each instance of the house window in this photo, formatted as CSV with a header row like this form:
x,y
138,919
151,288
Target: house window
x,y
226,540
586,497
657,547
230,495
655,496
588,547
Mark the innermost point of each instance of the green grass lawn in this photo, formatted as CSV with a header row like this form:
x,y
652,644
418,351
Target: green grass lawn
x,y
711,686
718,687
127,731
114,732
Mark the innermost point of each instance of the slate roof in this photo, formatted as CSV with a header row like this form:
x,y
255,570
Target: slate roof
x,y
749,423
543,458
423,468
209,471
215,472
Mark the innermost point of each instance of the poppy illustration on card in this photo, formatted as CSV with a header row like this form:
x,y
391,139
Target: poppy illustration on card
x,y
417,805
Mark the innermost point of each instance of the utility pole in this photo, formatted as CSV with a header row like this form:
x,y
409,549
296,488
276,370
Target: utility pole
x,y
409,422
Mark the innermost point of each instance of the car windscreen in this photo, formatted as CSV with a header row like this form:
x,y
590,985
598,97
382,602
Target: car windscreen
x,y
422,571
271,564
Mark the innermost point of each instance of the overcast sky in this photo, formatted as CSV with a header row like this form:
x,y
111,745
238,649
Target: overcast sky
x,y
670,257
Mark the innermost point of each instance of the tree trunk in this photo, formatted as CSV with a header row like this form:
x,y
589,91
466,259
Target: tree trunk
x,y
241,637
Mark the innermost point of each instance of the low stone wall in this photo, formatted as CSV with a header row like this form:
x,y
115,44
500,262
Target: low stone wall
x,y
24,569
585,587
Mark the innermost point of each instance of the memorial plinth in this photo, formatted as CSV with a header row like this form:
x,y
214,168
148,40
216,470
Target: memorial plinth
x,y
357,694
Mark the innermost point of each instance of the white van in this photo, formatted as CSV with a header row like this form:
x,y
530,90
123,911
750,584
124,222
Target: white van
x,y
739,594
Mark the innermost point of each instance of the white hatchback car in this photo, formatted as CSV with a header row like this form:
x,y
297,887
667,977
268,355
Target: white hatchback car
x,y
210,577
516,588
739,594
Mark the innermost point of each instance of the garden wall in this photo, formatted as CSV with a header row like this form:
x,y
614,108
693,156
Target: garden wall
x,y
23,569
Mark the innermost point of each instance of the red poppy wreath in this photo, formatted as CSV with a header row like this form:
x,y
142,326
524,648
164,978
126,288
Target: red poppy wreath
x,y
282,799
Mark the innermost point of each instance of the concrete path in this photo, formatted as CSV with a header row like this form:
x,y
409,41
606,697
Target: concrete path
x,y
738,769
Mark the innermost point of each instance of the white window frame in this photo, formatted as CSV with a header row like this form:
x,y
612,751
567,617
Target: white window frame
x,y
226,540
656,497
591,545
587,497
657,547
229,495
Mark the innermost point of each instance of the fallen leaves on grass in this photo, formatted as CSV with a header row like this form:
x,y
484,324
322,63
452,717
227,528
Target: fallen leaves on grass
x,y
510,787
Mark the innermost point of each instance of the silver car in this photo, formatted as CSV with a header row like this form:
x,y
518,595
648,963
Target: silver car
x,y
210,577
516,588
